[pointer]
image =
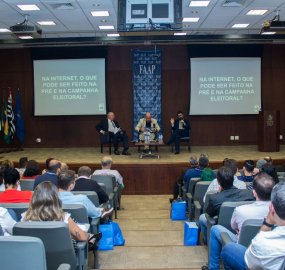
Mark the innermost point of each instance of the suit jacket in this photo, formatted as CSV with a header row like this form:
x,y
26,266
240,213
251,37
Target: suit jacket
x,y
48,176
104,125
229,195
83,184
142,123
186,125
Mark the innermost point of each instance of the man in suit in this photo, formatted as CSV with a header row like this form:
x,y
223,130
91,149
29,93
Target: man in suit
x,y
84,183
54,168
115,132
228,193
180,128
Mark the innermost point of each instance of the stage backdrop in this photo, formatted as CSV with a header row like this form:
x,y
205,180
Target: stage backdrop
x,y
146,85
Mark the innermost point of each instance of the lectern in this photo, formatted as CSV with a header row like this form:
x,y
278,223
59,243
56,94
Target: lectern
x,y
269,129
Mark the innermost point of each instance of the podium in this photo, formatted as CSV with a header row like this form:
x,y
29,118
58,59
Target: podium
x,y
269,129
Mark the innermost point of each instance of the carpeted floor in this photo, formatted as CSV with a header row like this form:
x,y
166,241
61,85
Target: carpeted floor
x,y
153,241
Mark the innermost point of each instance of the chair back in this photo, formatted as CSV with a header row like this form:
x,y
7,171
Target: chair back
x,y
56,238
22,252
108,180
18,208
77,211
27,184
102,185
281,174
92,196
207,199
249,230
192,184
200,190
226,212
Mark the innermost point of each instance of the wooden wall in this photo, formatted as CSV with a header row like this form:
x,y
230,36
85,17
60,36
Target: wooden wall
x,y
79,131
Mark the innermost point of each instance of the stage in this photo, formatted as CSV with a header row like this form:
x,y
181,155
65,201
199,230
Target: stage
x,y
147,175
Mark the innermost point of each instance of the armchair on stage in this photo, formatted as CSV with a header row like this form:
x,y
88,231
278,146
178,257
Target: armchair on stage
x,y
105,139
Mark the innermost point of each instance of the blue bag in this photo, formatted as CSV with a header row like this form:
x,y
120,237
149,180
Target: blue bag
x,y
178,210
106,242
118,237
191,234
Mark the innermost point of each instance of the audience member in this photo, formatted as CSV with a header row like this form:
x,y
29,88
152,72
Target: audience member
x,y
7,164
32,170
84,183
66,183
63,166
180,128
262,187
11,194
267,249
106,164
47,164
260,163
227,193
45,205
270,169
51,174
232,164
207,174
6,221
22,165
115,132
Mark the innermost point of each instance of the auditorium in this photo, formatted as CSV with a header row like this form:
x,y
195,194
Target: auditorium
x,y
173,109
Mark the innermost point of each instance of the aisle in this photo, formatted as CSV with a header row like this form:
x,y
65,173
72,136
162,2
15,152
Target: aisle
x,y
153,241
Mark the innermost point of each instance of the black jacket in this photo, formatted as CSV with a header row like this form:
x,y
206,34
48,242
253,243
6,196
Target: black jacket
x,y
104,125
229,195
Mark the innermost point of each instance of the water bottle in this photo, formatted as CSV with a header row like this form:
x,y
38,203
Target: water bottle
x,y
160,138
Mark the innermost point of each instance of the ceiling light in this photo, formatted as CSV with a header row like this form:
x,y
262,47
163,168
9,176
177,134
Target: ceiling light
x,y
106,27
25,37
268,33
240,25
113,35
100,13
190,19
180,34
46,23
4,30
199,3
28,7
257,12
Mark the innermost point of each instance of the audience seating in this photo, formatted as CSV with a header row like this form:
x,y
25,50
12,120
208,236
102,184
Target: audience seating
x,y
248,231
105,139
111,188
186,139
92,196
190,188
16,252
279,168
1,232
18,208
27,184
57,241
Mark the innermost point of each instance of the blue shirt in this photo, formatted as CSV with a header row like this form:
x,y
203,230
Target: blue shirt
x,y
192,173
69,198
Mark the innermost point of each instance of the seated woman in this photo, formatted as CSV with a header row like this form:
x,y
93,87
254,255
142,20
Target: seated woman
x,y
6,221
32,170
45,205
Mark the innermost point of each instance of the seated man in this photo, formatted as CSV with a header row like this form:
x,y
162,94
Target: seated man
x,y
84,183
180,128
11,195
262,187
228,193
66,183
116,133
147,124
106,164
267,248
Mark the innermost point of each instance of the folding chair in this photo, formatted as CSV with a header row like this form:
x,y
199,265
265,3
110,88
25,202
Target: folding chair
x,y
27,184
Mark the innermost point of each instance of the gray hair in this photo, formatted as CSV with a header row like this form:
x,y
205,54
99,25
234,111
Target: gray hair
x,y
278,199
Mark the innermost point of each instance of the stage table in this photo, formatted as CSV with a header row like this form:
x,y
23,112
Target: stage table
x,y
149,153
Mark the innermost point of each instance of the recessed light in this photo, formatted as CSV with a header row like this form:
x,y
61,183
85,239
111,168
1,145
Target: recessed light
x,y
257,12
46,23
240,25
180,34
190,19
268,33
113,35
28,7
25,37
4,30
100,13
199,3
106,27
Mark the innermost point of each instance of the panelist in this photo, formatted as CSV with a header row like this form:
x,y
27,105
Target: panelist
x,y
147,124
180,128
115,132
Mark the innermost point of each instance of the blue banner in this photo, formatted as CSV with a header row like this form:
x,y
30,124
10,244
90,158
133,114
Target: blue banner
x,y
146,85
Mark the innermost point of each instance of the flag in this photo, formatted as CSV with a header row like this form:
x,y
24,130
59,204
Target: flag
x,y
20,128
11,118
4,123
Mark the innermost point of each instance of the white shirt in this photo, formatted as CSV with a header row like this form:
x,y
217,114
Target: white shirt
x,y
6,221
115,173
255,210
112,127
267,250
65,218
